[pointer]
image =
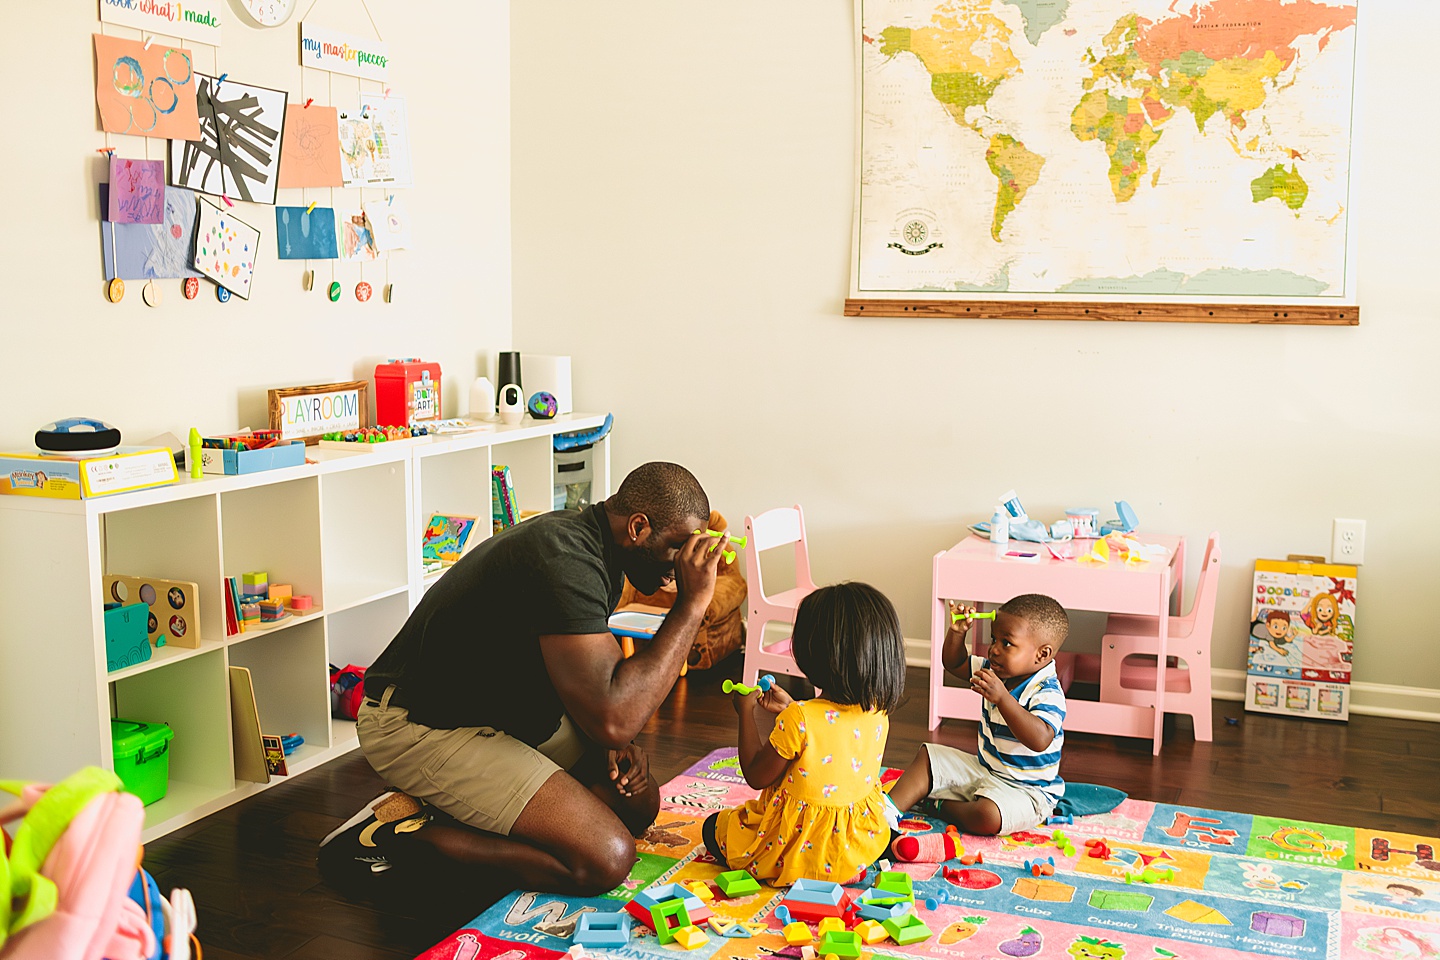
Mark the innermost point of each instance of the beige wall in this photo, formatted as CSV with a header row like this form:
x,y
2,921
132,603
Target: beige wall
x,y
683,182
68,351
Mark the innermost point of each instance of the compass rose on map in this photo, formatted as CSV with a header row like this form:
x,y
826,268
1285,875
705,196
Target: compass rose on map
x,y
915,233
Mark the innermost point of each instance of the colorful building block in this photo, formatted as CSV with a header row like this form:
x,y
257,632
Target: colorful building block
x,y
797,934
256,582
690,937
807,952
896,881
816,891
828,924
883,912
870,931
603,929
737,883
281,591
667,917
907,929
814,912
701,889
844,944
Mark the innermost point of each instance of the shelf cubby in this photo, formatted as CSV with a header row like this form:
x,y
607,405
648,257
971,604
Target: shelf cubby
x,y
367,532
274,529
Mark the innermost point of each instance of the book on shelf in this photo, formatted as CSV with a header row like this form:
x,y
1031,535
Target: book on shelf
x,y
504,511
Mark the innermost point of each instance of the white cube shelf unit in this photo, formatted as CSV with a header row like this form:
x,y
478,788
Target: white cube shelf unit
x,y
345,529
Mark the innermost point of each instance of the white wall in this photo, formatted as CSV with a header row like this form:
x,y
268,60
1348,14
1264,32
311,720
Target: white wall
x,y
683,181
201,363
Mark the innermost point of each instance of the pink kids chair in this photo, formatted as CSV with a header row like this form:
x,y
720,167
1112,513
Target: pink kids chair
x,y
771,529
1128,656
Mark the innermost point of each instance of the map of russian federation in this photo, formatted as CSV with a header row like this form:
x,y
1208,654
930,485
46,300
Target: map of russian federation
x,y
1119,147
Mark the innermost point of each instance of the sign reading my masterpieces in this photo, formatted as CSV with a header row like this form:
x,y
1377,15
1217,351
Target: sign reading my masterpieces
x,y
337,52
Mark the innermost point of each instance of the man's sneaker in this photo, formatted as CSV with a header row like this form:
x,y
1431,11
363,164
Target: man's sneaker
x,y
354,848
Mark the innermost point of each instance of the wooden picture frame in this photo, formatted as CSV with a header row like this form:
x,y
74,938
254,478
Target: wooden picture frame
x,y
305,413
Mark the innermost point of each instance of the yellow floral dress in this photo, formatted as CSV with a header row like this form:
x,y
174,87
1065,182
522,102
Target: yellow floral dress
x,y
825,818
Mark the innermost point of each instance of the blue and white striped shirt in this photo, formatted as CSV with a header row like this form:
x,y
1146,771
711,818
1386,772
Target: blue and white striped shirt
x,y
1005,756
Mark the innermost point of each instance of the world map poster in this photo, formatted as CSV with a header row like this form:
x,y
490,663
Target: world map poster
x,y
1129,148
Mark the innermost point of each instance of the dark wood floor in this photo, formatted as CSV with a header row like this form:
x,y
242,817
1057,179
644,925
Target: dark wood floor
x,y
259,894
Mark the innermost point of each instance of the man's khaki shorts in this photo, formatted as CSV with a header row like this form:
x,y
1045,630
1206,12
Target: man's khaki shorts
x,y
479,775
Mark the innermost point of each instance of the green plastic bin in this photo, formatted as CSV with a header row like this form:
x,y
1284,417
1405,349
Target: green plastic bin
x,y
142,757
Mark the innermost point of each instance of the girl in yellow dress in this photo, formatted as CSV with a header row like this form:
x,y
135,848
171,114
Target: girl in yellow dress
x,y
821,811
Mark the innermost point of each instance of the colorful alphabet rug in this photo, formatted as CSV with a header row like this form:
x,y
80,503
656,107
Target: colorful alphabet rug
x,y
1173,883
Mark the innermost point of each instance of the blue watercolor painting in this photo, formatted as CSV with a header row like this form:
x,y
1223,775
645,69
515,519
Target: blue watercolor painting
x,y
151,251
305,236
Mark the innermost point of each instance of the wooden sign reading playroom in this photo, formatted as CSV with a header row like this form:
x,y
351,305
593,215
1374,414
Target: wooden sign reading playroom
x,y
304,413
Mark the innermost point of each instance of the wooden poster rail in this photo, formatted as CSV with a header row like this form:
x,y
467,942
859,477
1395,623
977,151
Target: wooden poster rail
x,y
1295,315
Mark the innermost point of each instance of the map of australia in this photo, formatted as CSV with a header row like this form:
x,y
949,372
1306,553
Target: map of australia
x,y
1105,147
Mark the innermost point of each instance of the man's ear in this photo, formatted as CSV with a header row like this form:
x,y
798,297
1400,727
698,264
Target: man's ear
x,y
638,527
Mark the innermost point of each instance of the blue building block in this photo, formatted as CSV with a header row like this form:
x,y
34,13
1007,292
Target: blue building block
x,y
603,929
882,912
816,891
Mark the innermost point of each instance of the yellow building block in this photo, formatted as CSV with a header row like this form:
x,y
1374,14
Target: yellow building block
x,y
830,923
691,937
797,934
871,931
701,889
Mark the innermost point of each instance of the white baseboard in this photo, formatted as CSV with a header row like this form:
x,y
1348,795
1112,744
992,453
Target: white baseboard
x,y
1370,699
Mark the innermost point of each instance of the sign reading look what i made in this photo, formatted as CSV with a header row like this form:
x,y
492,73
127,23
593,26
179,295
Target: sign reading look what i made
x,y
304,413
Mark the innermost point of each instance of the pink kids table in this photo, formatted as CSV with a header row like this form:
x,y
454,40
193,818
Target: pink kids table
x,y
976,571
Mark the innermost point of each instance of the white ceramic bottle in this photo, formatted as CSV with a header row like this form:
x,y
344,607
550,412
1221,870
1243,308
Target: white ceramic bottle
x,y
482,399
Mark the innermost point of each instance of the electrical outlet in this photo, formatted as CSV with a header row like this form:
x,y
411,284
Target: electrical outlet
x,y
1347,541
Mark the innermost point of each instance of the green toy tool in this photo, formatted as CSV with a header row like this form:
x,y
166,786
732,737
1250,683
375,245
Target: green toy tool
x,y
987,615
764,685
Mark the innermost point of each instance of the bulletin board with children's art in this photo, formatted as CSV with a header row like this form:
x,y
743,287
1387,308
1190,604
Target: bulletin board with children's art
x,y
1302,639
236,142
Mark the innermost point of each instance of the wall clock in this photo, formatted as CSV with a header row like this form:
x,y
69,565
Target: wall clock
x,y
268,13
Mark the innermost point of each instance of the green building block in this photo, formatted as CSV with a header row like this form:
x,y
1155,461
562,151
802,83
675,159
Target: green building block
x,y
896,881
737,883
1125,900
841,943
906,929
661,915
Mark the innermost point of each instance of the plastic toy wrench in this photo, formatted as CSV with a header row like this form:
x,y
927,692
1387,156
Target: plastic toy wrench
x,y
987,615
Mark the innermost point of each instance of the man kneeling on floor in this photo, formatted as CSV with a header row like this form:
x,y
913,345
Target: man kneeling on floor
x,y
503,712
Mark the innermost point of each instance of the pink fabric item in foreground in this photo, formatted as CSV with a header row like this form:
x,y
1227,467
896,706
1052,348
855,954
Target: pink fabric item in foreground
x,y
92,865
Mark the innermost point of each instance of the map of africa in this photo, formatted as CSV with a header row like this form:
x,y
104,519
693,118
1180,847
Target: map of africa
x,y
1121,147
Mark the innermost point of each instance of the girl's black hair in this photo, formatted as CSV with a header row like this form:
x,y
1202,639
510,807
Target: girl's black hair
x,y
848,642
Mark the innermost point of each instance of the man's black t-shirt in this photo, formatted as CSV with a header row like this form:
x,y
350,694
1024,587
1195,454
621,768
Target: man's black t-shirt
x,y
470,656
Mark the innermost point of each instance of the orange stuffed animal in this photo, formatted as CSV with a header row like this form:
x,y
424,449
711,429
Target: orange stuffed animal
x,y
721,631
